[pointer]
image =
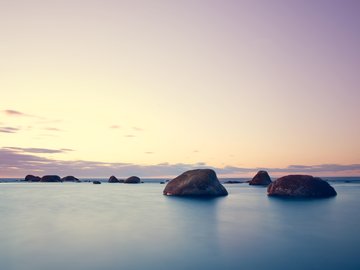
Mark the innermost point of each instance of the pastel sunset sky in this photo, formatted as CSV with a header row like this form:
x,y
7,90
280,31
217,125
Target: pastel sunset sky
x,y
152,88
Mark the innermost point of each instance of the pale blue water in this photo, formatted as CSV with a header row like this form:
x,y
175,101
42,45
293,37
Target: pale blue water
x,y
116,226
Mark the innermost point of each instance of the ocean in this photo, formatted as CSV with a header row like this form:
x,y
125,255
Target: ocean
x,y
82,226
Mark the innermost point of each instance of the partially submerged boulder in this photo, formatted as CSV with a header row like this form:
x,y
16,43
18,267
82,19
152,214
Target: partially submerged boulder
x,y
301,186
132,180
262,178
50,178
200,182
113,179
70,178
96,182
32,178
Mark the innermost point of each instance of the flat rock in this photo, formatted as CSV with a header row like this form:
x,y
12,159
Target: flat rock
x,y
301,186
96,182
70,178
262,178
132,180
200,182
233,182
50,178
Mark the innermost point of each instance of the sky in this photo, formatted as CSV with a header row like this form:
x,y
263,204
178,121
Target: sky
x,y
153,88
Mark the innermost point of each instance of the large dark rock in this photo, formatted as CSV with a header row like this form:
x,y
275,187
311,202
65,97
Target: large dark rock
x,y
32,178
50,178
201,182
113,179
132,180
301,186
96,182
262,178
70,178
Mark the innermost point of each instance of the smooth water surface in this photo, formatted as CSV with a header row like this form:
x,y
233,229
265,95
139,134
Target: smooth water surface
x,y
116,226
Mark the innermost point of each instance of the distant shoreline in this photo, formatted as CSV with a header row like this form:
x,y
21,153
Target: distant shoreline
x,y
241,180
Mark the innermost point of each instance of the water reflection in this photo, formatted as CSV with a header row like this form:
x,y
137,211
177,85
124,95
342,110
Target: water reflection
x,y
195,227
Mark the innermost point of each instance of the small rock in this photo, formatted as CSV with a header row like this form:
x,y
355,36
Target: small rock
x,y
113,179
132,180
50,178
232,182
70,178
32,178
262,178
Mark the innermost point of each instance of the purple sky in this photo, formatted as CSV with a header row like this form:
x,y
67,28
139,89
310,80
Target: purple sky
x,y
226,84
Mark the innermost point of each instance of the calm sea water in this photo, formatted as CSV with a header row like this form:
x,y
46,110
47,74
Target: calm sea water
x,y
116,226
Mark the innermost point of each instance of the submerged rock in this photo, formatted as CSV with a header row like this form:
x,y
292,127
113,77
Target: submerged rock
x,y
132,180
262,178
96,182
113,179
32,178
70,178
50,178
201,182
301,186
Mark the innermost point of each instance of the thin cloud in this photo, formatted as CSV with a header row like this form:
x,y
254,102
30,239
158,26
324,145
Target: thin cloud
x,y
115,127
9,129
149,153
26,161
67,149
41,120
45,121
14,113
322,168
130,136
38,150
52,129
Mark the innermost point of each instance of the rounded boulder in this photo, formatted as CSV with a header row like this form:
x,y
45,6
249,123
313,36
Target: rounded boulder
x,y
303,186
200,182
113,179
50,178
132,180
32,178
